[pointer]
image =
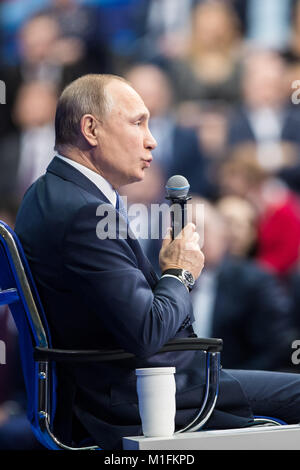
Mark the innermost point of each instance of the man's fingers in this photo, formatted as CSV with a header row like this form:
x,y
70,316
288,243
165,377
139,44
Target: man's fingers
x,y
195,237
167,238
192,246
187,231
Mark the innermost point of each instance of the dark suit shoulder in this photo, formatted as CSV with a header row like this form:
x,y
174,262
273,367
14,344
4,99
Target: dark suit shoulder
x,y
61,197
9,161
239,130
185,139
244,271
49,207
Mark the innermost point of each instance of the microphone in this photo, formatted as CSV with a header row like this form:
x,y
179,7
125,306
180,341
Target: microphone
x,y
177,188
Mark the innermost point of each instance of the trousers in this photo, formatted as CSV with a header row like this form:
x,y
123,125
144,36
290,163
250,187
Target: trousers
x,y
272,394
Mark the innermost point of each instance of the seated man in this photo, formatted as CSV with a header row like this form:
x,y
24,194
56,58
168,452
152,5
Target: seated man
x,y
237,300
101,292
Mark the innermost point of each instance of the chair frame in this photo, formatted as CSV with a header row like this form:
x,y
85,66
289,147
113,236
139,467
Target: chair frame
x,y
44,356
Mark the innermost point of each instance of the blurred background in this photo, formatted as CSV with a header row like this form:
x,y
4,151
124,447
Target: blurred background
x,y
217,77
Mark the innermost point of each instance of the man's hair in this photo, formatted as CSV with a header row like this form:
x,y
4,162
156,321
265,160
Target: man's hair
x,y
85,95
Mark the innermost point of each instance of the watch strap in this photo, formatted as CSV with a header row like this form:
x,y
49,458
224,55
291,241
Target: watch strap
x,y
174,271
177,272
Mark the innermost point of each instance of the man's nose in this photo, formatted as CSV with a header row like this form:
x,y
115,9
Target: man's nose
x,y
150,142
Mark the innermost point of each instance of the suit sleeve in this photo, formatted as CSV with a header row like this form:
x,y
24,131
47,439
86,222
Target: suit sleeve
x,y
105,273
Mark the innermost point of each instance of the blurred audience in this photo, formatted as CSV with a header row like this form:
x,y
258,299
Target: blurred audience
x,y
81,31
291,51
75,20
265,114
268,22
210,67
164,28
236,300
45,54
209,119
277,208
26,153
178,150
222,114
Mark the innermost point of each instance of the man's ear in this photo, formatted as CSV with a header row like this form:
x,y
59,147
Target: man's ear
x,y
89,129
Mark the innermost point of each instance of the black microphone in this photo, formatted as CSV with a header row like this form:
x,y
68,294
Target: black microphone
x,y
177,188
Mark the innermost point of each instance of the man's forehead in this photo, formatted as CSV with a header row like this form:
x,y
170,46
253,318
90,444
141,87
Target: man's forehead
x,y
122,93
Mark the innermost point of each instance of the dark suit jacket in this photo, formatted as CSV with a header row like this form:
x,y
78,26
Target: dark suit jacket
x,y
240,129
252,315
9,162
188,160
184,156
105,294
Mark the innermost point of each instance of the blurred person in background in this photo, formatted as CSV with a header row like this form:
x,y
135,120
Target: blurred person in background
x,y
265,115
164,28
210,67
75,19
178,151
236,300
268,22
277,208
291,51
36,38
241,221
82,26
210,121
44,54
26,153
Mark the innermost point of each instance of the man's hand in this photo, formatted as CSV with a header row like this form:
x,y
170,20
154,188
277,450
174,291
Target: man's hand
x,y
183,252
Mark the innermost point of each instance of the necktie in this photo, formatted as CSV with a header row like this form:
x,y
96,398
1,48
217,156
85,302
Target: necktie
x,y
121,207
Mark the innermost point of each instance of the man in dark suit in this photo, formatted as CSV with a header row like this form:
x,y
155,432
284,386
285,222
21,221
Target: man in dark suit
x,y
236,300
26,154
266,115
101,291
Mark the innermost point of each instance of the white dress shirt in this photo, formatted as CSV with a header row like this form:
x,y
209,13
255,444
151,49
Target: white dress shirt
x,y
266,124
101,183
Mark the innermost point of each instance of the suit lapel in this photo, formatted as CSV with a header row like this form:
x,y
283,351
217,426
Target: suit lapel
x,y
62,169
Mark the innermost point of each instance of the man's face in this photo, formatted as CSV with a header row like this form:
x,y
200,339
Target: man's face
x,y
125,142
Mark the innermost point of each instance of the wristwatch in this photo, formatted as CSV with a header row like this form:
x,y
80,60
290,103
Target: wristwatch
x,y
184,276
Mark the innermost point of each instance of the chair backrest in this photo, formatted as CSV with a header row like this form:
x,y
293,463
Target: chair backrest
x,y
18,290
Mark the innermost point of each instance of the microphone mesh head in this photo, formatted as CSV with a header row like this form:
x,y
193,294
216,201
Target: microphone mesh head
x,y
177,186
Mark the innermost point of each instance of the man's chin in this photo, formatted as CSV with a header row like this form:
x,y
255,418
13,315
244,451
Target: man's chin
x,y
139,177
134,179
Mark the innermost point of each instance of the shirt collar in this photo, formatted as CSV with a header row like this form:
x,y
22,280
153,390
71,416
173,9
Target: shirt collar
x,y
104,186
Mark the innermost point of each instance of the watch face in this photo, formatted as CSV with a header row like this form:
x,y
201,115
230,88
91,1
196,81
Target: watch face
x,y
189,278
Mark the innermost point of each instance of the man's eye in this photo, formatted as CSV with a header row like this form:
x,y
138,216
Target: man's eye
x,y
138,123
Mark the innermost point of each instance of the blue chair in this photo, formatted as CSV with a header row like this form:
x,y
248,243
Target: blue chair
x,y
38,358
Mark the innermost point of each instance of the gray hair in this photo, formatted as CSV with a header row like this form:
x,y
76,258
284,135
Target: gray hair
x,y
85,95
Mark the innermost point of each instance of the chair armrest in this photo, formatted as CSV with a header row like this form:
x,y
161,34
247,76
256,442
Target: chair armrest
x,y
96,355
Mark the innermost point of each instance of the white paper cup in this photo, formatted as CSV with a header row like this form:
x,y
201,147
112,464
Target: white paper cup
x,y
156,390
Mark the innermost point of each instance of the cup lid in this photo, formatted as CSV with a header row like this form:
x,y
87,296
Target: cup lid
x,y
155,371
